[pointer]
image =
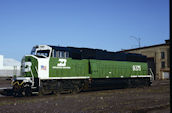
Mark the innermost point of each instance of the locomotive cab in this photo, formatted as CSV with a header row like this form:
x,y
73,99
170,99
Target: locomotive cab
x,y
33,67
42,51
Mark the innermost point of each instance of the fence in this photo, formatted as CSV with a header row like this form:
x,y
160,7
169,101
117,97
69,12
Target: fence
x,y
9,73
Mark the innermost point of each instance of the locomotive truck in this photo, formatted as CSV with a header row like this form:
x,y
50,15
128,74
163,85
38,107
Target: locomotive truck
x,y
56,69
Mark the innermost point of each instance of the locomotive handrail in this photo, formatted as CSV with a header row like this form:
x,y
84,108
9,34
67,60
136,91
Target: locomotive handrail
x,y
36,70
152,74
32,78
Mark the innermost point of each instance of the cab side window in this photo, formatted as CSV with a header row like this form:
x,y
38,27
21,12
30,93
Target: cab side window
x,y
54,53
67,54
61,54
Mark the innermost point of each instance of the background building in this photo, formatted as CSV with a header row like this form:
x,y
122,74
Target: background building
x,y
9,67
158,58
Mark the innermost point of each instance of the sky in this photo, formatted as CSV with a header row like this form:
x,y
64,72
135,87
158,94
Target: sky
x,y
112,25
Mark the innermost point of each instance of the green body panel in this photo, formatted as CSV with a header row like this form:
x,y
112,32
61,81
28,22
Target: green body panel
x,y
77,68
34,66
88,68
112,69
96,68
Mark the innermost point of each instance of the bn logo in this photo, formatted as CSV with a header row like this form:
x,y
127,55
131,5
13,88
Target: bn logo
x,y
62,63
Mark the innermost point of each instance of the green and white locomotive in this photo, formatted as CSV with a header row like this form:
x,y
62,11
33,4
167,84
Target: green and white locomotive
x,y
55,69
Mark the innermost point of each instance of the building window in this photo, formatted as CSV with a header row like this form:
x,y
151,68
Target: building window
x,y
162,64
162,55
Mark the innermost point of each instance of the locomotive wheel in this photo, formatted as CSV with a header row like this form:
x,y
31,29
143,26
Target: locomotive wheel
x,y
17,91
41,91
15,94
57,93
24,92
27,91
76,89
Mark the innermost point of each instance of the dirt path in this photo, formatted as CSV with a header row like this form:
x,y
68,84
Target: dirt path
x,y
154,99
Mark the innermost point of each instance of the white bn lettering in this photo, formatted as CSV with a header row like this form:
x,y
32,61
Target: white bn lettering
x,y
136,67
62,63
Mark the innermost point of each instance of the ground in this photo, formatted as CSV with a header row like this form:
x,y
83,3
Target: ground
x,y
153,99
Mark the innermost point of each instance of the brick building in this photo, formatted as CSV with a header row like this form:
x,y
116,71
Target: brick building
x,y
158,57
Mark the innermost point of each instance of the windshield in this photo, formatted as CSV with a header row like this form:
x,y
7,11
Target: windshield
x,y
43,53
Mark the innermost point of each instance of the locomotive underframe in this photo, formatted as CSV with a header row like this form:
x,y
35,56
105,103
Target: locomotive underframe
x,y
57,86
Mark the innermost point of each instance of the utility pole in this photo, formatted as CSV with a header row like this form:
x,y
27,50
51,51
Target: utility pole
x,y
138,40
